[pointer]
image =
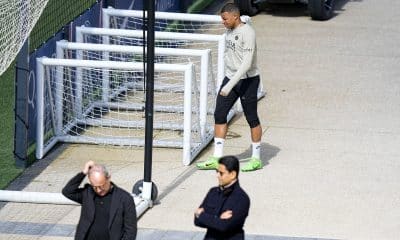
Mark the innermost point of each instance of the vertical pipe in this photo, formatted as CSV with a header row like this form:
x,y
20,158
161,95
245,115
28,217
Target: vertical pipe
x,y
105,19
149,100
106,57
78,80
187,115
59,90
105,72
204,68
40,108
221,61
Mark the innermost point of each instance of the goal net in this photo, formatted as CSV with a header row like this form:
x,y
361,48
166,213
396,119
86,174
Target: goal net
x,y
200,58
179,23
17,18
176,23
216,43
76,104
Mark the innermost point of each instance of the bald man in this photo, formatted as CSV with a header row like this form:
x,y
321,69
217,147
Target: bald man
x,y
108,212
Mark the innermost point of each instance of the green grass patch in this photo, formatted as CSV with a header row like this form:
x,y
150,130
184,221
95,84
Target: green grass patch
x,y
198,6
8,170
56,15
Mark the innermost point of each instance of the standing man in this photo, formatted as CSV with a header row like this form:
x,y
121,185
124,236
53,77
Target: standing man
x,y
225,208
108,212
241,81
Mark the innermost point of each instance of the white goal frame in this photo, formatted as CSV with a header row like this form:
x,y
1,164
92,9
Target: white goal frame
x,y
189,152
107,32
109,12
205,58
219,39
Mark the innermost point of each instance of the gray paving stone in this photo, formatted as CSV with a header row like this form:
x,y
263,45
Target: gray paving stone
x,y
68,230
331,123
62,230
149,234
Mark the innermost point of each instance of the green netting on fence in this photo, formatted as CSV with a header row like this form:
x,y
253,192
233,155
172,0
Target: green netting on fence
x,y
56,15
7,168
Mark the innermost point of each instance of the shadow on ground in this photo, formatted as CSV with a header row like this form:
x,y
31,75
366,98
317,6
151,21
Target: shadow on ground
x,y
268,152
31,172
298,9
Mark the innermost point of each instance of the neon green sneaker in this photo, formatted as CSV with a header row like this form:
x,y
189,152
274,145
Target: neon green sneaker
x,y
210,164
252,165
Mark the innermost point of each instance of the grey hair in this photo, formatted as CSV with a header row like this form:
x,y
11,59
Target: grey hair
x,y
100,169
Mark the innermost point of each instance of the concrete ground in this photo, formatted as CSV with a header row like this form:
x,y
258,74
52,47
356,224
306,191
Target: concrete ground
x,y
331,124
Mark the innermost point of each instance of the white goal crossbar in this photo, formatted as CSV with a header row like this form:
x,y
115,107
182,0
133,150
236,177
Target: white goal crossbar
x,y
189,152
110,12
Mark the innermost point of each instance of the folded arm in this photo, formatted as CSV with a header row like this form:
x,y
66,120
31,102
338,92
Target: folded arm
x,y
228,220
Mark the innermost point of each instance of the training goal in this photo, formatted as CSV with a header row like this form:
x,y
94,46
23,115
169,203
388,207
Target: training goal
x,y
73,107
174,22
201,58
206,24
216,43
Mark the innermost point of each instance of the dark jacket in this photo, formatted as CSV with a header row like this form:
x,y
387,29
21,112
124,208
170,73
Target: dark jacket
x,y
218,201
122,223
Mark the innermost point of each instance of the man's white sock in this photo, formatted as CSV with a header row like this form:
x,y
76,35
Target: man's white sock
x,y
219,147
256,148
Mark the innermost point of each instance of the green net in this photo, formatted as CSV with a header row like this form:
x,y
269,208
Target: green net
x,y
56,15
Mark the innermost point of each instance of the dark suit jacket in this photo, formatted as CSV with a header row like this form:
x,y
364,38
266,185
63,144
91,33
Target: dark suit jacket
x,y
218,201
122,223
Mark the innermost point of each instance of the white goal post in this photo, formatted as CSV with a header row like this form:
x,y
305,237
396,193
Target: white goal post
x,y
50,94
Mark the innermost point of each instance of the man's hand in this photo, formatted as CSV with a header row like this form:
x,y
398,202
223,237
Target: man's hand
x,y
227,88
222,93
198,212
87,166
226,215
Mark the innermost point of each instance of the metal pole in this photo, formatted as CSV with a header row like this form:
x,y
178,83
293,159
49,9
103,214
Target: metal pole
x,y
149,98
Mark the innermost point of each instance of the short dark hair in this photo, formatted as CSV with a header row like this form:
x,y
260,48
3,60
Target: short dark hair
x,y
231,8
231,163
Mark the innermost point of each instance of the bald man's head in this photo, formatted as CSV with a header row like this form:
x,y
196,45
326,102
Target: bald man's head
x,y
100,179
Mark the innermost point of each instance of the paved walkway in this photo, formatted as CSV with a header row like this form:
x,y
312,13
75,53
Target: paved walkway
x,y
330,146
14,230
